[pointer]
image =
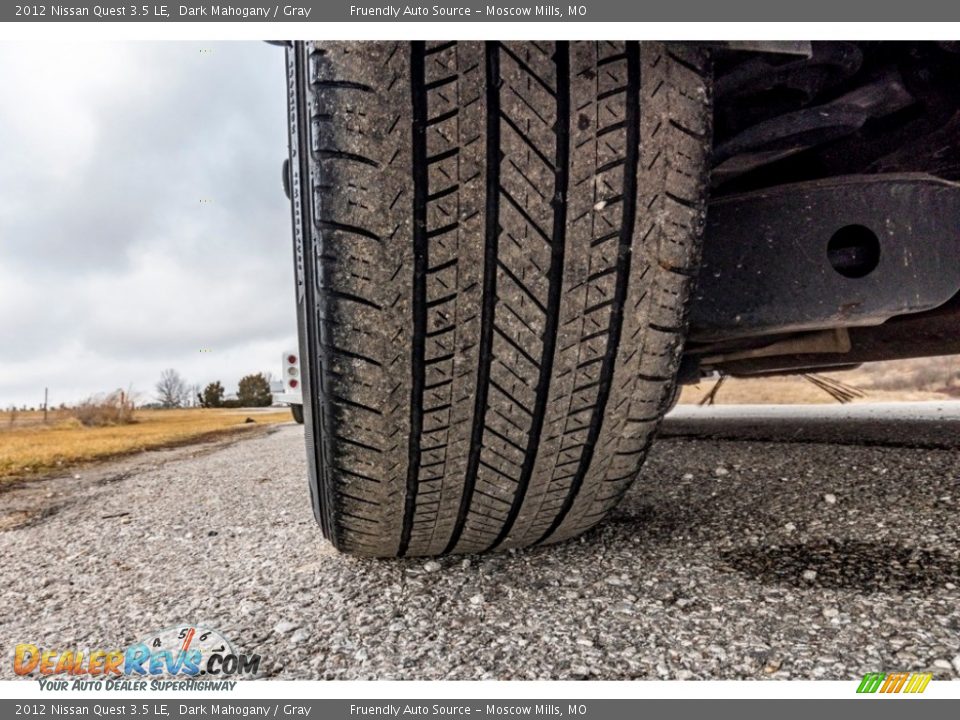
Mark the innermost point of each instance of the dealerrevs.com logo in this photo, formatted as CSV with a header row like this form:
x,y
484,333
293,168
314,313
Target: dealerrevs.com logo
x,y
183,657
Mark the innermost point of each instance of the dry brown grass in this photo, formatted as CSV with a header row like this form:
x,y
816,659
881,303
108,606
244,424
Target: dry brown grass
x,y
794,390
935,378
27,446
936,374
104,410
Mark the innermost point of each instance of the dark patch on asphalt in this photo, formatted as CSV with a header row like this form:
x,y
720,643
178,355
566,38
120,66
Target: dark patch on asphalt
x,y
643,516
866,567
112,478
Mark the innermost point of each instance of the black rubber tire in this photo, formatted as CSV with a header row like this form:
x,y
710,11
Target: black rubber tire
x,y
496,243
297,412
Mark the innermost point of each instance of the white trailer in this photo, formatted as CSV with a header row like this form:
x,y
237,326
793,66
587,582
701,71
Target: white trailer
x,y
291,391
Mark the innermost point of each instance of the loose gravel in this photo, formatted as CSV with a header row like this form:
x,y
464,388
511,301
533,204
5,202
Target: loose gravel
x,y
729,559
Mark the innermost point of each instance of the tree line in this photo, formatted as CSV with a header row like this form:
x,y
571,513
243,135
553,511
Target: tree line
x,y
252,391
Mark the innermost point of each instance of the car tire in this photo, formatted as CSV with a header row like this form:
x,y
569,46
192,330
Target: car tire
x,y
297,412
495,245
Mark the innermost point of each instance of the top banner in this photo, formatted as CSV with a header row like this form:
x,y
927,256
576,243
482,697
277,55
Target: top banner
x,y
486,11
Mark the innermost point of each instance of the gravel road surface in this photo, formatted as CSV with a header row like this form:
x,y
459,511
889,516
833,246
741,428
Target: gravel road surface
x,y
750,548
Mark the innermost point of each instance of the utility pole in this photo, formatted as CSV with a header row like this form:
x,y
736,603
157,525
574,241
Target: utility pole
x,y
46,395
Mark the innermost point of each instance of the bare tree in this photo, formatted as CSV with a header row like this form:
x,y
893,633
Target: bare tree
x,y
172,390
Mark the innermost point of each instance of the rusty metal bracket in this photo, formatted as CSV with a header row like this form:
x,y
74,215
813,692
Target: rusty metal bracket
x,y
843,252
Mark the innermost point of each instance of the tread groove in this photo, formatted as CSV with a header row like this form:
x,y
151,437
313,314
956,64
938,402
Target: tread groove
x,y
555,291
421,261
341,84
631,166
491,245
334,154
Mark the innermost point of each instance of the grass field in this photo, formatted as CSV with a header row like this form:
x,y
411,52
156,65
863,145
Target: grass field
x,y
28,446
936,378
794,391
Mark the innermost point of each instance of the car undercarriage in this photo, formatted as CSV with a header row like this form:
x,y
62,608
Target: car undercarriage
x,y
832,229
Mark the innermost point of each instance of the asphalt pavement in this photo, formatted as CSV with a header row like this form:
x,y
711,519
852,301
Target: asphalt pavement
x,y
759,543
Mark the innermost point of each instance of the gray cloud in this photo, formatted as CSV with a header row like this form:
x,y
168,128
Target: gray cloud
x,y
141,216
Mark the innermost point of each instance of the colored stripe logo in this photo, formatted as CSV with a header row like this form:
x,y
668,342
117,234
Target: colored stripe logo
x,y
894,682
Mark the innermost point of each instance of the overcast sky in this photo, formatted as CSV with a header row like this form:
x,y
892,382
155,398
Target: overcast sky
x,y
111,266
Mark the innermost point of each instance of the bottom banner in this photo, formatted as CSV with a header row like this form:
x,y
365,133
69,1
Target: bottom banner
x,y
874,709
